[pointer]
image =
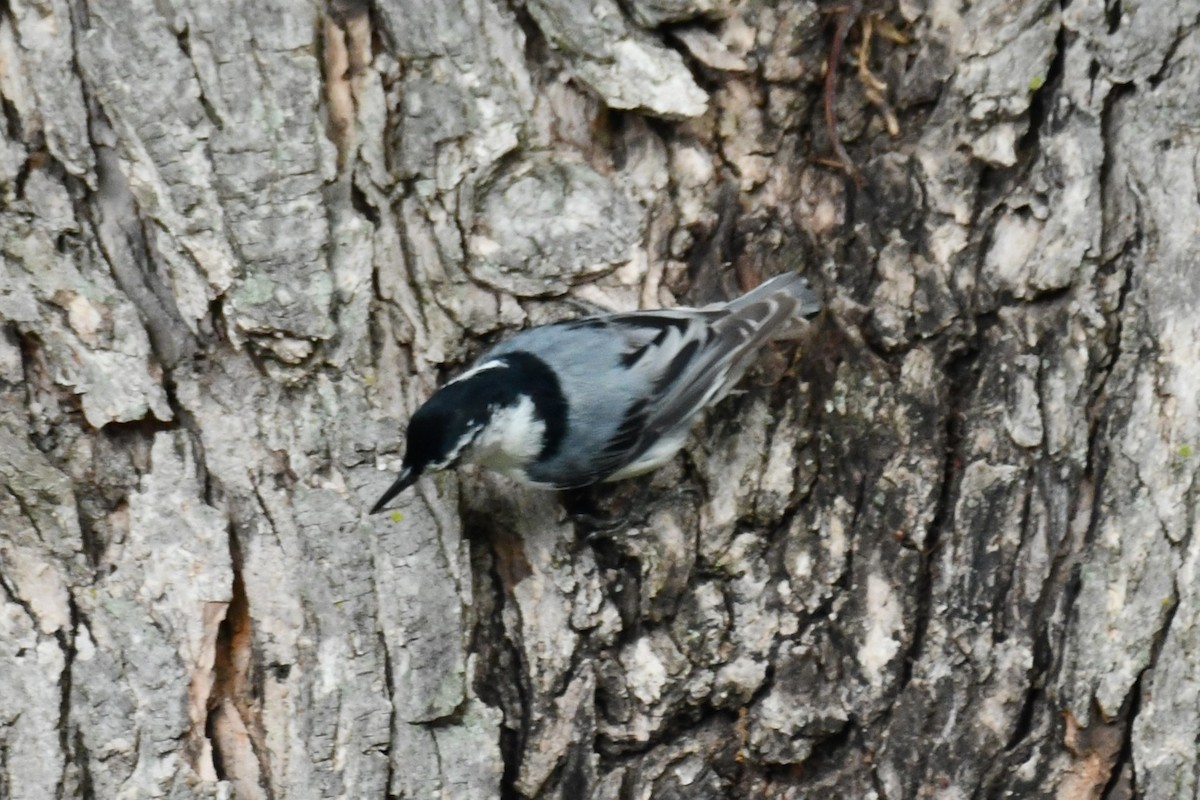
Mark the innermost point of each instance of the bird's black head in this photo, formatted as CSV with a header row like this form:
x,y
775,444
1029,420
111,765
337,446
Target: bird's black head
x,y
442,430
439,433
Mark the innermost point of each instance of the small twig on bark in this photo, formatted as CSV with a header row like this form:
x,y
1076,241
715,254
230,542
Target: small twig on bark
x,y
846,17
874,88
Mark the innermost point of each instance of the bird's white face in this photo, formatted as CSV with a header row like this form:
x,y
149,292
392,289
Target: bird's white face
x,y
510,441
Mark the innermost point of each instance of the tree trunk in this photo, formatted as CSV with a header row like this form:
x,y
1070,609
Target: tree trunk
x,y
946,548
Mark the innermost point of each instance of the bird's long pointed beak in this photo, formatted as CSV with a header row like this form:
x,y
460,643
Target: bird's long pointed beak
x,y
407,478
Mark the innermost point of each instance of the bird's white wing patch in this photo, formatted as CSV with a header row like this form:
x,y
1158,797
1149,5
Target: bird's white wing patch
x,y
478,368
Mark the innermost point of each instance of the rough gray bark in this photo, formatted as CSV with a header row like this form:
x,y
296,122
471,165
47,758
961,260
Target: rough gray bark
x,y
947,550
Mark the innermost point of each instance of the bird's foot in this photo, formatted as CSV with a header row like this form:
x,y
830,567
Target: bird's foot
x,y
591,523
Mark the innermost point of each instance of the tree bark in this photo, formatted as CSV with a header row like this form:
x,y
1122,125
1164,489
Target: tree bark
x,y
945,548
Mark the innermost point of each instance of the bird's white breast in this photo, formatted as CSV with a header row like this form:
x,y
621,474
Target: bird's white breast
x,y
510,440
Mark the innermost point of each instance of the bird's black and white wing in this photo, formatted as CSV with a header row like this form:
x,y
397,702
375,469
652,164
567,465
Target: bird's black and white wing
x,y
677,362
661,349
702,372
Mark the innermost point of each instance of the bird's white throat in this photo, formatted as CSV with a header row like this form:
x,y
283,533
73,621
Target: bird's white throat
x,y
511,439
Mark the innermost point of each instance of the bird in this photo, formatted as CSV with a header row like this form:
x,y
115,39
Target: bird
x,y
600,398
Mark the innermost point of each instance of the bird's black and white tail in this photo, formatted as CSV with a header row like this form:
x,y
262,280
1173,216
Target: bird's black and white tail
x,y
789,283
775,310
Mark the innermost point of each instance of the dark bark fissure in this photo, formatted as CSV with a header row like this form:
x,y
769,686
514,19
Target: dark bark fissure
x,y
91,540
1113,13
828,754
361,203
389,677
961,376
621,574
237,689
1034,700
1041,103
40,388
538,52
119,227
11,595
66,643
12,118
1124,766
1123,781
183,36
1007,569
1169,54
510,750
1125,257
500,679
714,248
30,163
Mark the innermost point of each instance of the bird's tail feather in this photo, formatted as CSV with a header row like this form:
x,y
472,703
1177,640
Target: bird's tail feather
x,y
792,283
771,311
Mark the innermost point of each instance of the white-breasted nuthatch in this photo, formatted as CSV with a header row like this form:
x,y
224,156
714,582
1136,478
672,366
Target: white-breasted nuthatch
x,y
601,398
